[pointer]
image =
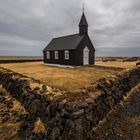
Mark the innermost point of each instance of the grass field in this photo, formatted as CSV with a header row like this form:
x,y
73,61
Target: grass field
x,y
119,64
67,78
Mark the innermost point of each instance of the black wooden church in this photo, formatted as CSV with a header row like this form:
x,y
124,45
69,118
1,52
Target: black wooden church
x,y
73,50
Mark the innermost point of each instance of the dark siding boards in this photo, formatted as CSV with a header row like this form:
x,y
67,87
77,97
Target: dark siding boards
x,y
61,58
83,30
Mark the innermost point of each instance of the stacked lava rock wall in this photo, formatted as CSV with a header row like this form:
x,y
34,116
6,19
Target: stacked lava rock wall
x,y
70,115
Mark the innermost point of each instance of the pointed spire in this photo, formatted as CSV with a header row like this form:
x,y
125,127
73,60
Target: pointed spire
x,y
83,25
83,21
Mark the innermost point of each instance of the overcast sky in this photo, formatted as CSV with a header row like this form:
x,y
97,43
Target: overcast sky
x,y
27,26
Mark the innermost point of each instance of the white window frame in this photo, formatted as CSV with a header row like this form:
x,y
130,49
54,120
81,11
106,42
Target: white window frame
x,y
67,55
56,54
48,54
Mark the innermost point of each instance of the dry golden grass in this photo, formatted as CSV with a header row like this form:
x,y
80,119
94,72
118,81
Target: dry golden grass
x,y
117,64
8,131
62,78
39,127
18,107
67,78
9,124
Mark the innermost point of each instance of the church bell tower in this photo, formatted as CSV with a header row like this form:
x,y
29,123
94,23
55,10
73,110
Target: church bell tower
x,y
83,25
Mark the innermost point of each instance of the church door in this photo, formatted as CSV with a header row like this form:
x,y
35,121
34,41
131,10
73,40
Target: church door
x,y
86,56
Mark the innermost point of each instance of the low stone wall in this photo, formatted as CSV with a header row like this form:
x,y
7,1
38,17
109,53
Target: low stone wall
x,y
69,115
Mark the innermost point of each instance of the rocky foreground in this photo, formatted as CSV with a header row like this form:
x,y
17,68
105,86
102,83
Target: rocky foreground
x,y
15,122
123,122
106,110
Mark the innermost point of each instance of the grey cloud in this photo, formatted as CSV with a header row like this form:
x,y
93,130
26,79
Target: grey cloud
x,y
27,26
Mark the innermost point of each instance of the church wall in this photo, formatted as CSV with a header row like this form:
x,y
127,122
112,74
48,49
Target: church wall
x,y
61,58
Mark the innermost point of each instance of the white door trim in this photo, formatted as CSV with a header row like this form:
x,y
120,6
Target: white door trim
x,y
86,56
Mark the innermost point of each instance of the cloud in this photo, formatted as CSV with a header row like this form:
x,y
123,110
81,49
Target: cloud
x,y
26,27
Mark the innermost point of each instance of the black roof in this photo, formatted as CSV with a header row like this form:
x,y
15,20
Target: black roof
x,y
83,21
64,43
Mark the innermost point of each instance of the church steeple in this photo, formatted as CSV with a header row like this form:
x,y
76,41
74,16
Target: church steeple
x,y
83,25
